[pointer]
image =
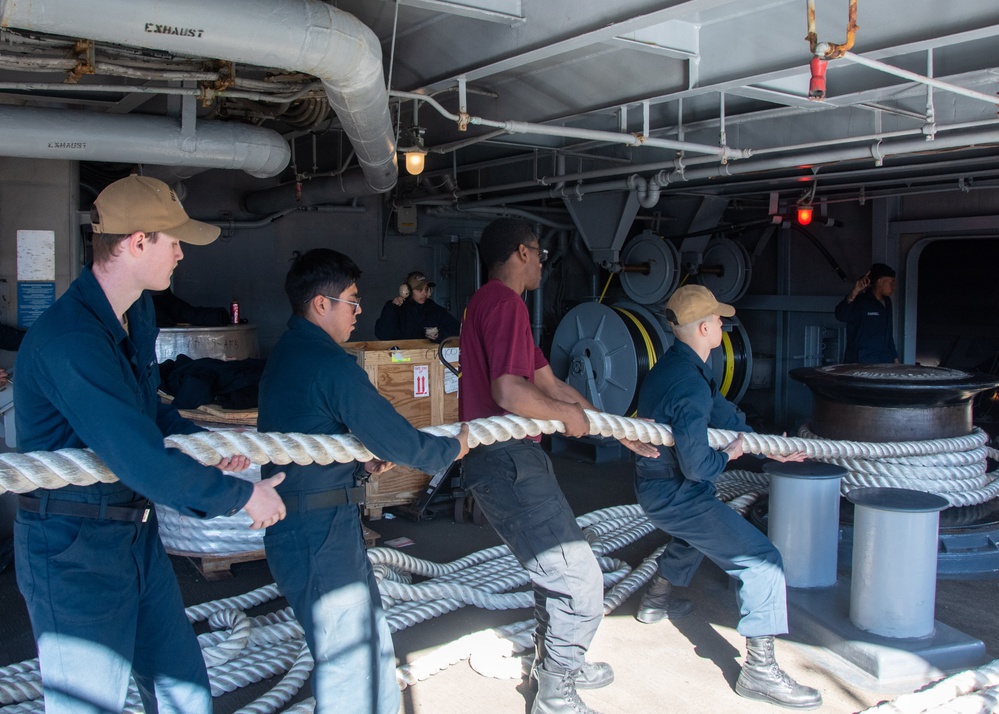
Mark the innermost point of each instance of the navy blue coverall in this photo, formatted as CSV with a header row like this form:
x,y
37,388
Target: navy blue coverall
x,y
869,338
677,492
101,592
311,385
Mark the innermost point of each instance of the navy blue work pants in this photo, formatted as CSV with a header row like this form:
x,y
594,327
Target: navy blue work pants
x,y
701,525
104,603
319,562
514,484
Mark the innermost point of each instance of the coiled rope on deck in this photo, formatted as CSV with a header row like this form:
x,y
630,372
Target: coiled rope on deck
x,y
25,472
244,650
975,691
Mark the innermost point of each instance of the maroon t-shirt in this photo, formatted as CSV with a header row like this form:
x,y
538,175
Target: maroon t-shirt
x,y
495,340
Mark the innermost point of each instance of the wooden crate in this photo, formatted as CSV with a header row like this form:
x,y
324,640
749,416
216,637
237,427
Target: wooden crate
x,y
395,368
395,373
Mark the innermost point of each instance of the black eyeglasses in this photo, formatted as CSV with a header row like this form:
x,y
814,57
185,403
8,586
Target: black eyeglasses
x,y
357,305
542,252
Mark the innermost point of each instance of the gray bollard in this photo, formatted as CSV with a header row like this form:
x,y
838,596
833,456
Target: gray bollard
x,y
894,586
804,520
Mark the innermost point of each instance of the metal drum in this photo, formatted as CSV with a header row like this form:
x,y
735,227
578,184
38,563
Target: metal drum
x,y
888,402
232,342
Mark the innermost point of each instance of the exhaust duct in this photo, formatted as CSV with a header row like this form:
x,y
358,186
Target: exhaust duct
x,y
88,136
294,35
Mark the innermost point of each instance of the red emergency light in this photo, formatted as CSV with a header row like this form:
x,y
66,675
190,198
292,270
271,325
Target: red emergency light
x,y
804,215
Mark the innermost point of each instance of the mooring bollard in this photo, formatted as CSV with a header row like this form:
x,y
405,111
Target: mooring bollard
x,y
894,586
804,520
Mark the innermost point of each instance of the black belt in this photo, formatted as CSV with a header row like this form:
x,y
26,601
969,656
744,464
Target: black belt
x,y
483,448
136,511
298,502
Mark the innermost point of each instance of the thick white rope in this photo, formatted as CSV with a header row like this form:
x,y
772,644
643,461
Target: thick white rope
x,y
244,650
275,643
25,472
975,690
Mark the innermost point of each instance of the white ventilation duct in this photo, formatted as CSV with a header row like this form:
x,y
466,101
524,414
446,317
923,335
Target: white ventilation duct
x,y
294,35
89,136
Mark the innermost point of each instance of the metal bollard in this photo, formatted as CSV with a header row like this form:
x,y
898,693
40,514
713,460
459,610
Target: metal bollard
x,y
894,586
804,520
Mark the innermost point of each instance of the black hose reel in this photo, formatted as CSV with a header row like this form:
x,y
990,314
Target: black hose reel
x,y
604,352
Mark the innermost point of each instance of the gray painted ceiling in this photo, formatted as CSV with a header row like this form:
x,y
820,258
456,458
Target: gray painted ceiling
x,y
706,72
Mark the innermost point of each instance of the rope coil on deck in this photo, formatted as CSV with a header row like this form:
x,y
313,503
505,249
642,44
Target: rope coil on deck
x,y
244,650
932,470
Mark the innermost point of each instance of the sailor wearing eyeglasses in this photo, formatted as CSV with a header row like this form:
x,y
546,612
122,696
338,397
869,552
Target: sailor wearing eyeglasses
x,y
311,385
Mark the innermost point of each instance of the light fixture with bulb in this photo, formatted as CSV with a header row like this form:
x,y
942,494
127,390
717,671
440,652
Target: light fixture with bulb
x,y
415,153
804,205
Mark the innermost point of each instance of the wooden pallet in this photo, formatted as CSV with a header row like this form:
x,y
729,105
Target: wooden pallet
x,y
217,567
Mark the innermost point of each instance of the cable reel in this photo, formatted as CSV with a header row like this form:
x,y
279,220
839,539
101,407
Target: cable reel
x,y
605,352
725,269
650,269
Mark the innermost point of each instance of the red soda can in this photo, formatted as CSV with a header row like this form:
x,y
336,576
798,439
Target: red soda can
x,y
234,312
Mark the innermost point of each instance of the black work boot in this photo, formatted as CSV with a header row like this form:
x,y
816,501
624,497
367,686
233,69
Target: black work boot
x,y
557,694
658,603
762,678
592,675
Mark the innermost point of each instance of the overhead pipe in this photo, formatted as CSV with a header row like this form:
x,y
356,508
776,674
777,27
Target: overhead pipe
x,y
35,133
558,179
521,127
648,191
294,35
329,189
876,151
526,215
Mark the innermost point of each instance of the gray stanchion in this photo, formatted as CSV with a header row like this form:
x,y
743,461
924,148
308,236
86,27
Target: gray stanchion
x,y
803,521
894,586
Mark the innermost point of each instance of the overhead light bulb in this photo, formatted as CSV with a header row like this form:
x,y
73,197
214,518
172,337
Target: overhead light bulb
x,y
414,162
415,153
804,215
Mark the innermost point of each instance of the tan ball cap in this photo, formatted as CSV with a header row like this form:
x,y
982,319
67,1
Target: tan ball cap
x,y
140,203
691,303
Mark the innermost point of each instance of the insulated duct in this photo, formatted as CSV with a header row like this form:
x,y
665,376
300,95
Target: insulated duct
x,y
88,136
294,35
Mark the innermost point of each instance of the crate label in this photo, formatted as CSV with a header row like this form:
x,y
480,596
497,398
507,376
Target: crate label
x,y
451,354
450,382
421,380
397,357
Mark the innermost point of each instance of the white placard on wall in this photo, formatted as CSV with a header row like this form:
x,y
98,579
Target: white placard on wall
x,y
35,255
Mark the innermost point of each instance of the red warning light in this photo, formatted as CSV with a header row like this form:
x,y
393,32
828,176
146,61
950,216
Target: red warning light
x,y
804,215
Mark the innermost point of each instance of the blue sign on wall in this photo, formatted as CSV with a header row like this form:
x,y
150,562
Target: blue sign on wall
x,y
33,299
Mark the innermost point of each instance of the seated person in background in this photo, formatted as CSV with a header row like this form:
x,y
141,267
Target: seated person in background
x,y
172,311
414,316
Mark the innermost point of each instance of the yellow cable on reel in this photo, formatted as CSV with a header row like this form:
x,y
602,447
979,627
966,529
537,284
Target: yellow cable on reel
x,y
646,338
729,364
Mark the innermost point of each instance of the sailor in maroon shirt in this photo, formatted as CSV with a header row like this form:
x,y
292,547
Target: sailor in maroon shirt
x,y
513,482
